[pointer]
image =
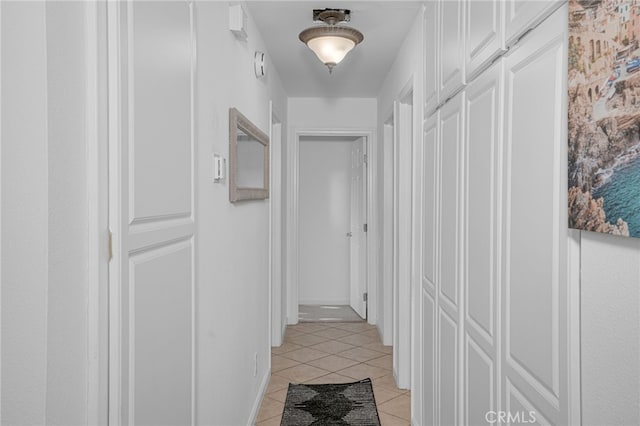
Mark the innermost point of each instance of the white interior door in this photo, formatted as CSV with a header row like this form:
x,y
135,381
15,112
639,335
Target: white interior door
x,y
151,213
357,231
534,304
324,218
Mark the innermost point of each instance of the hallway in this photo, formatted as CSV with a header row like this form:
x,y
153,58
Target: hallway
x,y
334,353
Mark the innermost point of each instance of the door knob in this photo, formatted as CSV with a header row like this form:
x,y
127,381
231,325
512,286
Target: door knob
x,y
349,234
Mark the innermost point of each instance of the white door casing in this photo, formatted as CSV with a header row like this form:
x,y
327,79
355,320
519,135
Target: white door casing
x,y
292,214
385,285
403,239
151,204
276,274
357,234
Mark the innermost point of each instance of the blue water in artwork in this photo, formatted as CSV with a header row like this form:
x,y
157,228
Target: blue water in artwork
x,y
622,196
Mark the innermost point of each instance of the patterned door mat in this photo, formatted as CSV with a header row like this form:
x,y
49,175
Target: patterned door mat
x,y
331,404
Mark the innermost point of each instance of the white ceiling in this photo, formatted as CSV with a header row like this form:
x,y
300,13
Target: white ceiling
x,y
384,24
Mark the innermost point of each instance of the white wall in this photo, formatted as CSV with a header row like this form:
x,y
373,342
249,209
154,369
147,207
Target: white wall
x,y
44,213
232,239
610,329
332,113
325,197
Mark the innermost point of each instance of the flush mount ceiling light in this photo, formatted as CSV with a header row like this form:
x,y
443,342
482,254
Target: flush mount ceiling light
x,y
331,42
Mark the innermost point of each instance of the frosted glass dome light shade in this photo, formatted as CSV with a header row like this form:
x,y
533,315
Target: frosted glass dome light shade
x,y
331,50
331,43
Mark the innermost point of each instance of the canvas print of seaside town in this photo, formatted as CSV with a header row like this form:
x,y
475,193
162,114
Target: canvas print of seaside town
x,y
604,116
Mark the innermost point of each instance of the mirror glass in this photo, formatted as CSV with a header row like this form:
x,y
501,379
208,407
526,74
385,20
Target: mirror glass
x,y
248,159
250,162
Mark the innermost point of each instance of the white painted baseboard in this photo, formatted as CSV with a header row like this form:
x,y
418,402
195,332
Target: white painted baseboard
x,y
258,402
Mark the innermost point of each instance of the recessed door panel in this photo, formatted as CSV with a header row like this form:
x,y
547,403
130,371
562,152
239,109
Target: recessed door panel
x,y
431,55
448,357
160,335
451,48
484,34
159,78
429,207
428,358
450,128
521,15
480,383
482,135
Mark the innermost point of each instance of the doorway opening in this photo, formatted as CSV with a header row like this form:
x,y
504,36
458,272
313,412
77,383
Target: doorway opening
x,y
332,235
329,208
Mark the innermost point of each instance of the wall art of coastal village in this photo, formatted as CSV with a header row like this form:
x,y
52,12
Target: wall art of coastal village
x,y
604,116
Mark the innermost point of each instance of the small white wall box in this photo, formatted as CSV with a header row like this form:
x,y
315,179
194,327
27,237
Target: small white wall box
x,y
238,21
219,168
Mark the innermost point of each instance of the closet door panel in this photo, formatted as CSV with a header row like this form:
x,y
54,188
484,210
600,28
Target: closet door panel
x,y
429,372
451,119
534,295
484,34
448,295
451,48
431,56
430,168
483,106
522,15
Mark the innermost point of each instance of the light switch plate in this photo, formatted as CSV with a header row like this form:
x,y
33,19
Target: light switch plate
x,y
219,168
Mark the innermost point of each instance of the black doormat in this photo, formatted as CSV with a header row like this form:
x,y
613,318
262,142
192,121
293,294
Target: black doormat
x,y
338,404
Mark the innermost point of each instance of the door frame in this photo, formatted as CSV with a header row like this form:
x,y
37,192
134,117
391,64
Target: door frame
x,y
292,213
387,229
277,324
406,231
97,187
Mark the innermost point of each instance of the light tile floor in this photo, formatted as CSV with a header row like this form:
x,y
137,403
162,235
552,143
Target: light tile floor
x,y
334,353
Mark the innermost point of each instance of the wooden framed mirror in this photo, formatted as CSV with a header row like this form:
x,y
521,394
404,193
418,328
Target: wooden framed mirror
x,y
248,159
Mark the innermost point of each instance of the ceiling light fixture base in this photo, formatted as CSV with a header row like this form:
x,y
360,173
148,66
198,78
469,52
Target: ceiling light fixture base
x,y
331,15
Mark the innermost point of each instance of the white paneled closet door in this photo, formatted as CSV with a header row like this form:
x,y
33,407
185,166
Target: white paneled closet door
x,y
483,108
534,305
151,356
448,293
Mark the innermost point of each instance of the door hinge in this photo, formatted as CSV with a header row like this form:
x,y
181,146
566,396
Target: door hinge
x,y
365,227
366,159
365,296
110,245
